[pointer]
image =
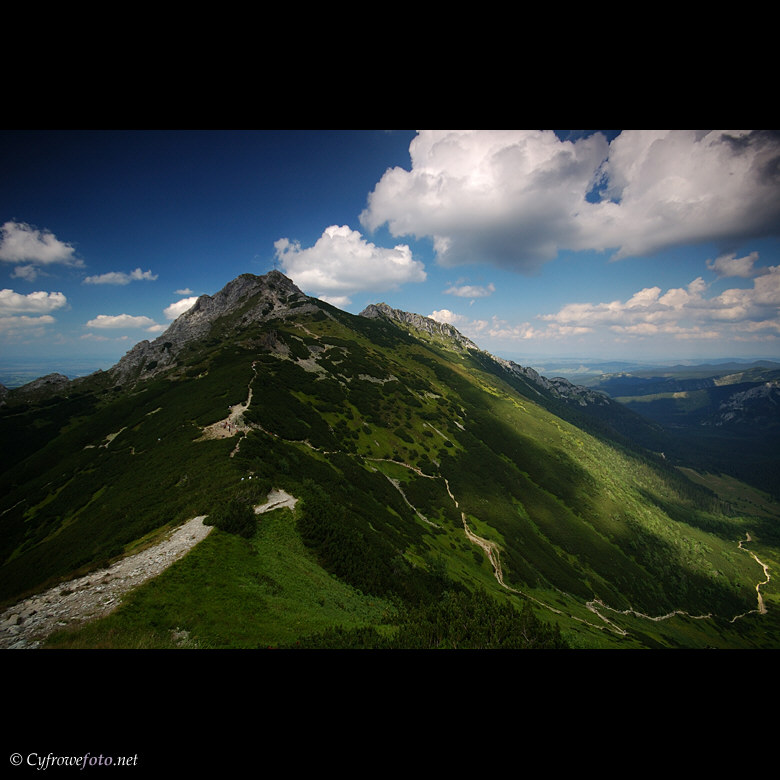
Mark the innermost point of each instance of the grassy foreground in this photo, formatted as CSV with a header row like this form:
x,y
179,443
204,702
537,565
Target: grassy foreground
x,y
233,592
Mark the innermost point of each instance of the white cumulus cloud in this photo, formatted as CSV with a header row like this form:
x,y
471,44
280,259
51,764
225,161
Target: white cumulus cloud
x,y
16,310
691,313
468,327
10,325
446,316
120,277
470,290
179,307
731,265
685,312
36,302
25,244
516,198
114,321
342,263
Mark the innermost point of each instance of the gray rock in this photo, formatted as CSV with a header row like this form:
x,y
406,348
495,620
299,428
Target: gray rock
x,y
417,321
247,299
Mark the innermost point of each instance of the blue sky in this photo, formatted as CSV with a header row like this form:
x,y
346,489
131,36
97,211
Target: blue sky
x,y
635,245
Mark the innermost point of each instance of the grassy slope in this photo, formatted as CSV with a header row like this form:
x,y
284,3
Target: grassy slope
x,y
574,518
231,592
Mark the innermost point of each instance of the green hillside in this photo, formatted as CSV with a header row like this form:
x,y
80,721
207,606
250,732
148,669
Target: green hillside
x,y
441,502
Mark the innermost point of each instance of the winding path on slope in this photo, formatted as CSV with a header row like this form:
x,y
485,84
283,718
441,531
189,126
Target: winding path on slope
x,y
597,606
234,423
761,608
29,622
26,624
492,550
87,598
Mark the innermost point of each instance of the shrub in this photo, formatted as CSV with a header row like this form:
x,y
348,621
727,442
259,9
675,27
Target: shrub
x,y
234,517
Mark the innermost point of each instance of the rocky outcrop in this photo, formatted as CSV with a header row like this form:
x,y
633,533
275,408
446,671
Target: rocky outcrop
x,y
270,295
418,322
37,390
759,405
245,300
557,386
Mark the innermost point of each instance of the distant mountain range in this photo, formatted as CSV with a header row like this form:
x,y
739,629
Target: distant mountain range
x,y
444,497
17,373
722,417
590,371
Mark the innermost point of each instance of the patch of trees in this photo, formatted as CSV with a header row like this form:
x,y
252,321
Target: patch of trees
x,y
31,427
279,411
234,517
456,621
476,621
366,553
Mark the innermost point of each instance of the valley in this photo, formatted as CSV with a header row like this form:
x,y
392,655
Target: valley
x,y
724,417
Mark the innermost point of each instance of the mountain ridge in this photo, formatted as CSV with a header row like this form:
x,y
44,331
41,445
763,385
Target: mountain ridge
x,y
422,467
148,358
251,299
237,301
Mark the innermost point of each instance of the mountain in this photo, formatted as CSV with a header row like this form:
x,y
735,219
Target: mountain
x,y
725,418
591,409
433,495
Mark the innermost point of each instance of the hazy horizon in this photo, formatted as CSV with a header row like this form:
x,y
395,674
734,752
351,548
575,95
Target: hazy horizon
x,y
18,371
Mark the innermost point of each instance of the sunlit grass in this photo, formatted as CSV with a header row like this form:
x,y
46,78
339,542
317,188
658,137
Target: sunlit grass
x,y
237,593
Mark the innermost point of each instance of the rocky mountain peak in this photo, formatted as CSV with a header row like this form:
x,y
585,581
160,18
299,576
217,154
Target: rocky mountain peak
x,y
274,290
244,300
557,386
